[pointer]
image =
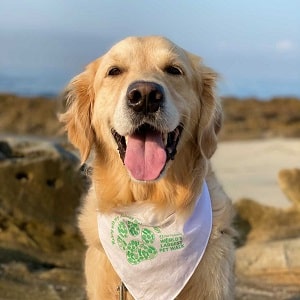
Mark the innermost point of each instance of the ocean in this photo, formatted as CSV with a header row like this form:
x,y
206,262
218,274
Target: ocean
x,y
41,65
31,85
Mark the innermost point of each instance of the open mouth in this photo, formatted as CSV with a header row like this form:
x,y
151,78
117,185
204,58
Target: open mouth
x,y
146,151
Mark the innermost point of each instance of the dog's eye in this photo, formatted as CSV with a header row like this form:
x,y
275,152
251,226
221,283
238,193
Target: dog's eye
x,y
173,70
115,71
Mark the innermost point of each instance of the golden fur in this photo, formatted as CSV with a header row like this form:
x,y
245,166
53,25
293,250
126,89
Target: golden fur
x,y
94,106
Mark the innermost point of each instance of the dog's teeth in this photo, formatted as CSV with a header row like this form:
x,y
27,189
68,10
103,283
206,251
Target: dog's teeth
x,y
176,133
165,138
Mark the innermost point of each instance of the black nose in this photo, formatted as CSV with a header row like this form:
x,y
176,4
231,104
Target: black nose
x,y
146,97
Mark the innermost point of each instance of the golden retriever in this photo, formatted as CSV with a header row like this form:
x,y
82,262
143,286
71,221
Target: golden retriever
x,y
148,111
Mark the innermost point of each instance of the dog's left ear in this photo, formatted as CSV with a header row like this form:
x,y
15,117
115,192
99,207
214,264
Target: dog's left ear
x,y
210,118
78,100
211,113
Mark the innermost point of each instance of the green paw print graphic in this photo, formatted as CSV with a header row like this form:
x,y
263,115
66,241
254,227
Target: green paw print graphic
x,y
139,247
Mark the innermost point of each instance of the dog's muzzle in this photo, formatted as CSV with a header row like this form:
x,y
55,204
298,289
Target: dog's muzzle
x,y
146,152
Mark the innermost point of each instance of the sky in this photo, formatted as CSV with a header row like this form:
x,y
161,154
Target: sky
x,y
254,45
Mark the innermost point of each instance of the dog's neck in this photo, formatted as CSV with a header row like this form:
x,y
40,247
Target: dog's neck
x,y
179,187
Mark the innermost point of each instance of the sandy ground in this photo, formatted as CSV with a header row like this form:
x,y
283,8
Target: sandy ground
x,y
248,169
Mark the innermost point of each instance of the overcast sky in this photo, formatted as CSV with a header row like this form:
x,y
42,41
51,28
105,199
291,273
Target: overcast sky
x,y
254,45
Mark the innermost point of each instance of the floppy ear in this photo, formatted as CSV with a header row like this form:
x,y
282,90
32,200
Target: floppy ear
x,y
79,100
210,112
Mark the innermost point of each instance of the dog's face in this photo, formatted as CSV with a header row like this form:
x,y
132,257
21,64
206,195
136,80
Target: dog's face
x,y
145,99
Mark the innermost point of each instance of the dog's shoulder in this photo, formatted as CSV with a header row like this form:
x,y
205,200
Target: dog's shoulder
x,y
87,219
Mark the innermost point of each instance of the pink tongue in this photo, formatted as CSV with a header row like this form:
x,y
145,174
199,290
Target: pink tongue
x,y
145,155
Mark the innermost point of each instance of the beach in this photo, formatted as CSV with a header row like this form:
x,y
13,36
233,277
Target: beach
x,y
249,169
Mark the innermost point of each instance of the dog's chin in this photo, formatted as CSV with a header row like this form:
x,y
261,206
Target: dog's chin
x,y
147,151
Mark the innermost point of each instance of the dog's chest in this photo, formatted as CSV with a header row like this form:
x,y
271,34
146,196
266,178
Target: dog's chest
x,y
154,259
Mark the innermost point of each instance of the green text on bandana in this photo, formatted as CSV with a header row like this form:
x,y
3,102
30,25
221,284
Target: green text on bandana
x,y
140,242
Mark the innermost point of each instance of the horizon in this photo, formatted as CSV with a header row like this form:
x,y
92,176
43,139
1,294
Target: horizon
x,y
255,47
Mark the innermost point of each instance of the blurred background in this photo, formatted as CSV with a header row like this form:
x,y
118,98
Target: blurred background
x,y
254,45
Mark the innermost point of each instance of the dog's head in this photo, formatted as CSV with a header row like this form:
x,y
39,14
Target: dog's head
x,y
147,99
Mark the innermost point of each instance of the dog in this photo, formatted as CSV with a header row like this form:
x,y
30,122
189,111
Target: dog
x,y
156,222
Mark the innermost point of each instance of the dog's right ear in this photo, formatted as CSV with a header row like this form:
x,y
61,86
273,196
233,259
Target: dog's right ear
x,y
78,101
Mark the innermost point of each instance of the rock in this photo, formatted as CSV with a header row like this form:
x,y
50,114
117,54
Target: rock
x,y
33,116
5,150
269,265
260,223
41,251
289,182
18,281
268,257
254,288
40,186
277,262
255,119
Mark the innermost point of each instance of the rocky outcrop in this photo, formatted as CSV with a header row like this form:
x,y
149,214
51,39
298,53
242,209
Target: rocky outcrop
x,y
276,262
268,257
246,119
289,182
29,116
40,247
261,223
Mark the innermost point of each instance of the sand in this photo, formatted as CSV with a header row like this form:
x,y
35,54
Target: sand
x,y
248,169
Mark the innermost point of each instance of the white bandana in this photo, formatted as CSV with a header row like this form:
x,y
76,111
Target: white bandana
x,y
155,261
